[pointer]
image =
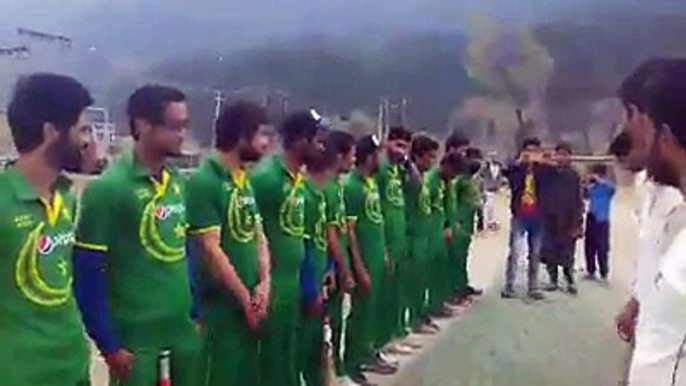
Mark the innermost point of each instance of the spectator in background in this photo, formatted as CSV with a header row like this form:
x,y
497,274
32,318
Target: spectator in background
x,y
563,218
597,238
527,178
491,176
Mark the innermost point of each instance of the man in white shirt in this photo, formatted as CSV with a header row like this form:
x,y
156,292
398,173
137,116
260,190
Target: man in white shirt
x,y
655,198
660,332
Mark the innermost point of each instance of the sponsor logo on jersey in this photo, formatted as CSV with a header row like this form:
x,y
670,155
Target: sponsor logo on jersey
x,y
48,243
163,212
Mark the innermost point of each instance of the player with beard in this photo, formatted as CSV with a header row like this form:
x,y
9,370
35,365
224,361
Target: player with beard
x,y
661,326
423,152
278,184
132,281
656,198
391,180
223,217
343,144
40,328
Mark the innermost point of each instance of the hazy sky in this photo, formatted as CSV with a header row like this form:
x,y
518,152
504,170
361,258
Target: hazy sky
x,y
167,26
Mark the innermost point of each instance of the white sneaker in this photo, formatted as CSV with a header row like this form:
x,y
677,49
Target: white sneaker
x,y
399,349
385,357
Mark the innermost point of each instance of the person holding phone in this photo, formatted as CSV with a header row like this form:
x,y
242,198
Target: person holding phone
x,y
527,179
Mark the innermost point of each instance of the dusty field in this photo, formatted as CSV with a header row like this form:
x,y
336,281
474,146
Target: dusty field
x,y
562,341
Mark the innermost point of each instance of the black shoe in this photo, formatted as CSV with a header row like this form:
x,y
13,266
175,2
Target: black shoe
x,y
572,290
471,291
507,293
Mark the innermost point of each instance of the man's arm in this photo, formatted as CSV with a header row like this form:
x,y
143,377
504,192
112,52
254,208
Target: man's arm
x,y
357,262
203,206
221,268
333,239
91,282
354,203
264,288
263,253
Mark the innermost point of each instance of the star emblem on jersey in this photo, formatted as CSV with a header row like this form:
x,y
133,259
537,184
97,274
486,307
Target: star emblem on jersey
x,y
180,230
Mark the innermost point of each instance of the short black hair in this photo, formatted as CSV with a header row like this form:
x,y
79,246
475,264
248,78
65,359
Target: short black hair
x,y
150,103
365,147
339,142
298,126
667,101
238,121
455,140
564,146
399,133
531,141
44,98
634,90
422,144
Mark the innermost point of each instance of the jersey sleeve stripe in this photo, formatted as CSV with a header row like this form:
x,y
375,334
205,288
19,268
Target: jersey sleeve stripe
x,y
205,230
92,247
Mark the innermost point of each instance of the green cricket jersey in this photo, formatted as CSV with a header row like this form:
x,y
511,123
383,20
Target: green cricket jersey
x,y
436,187
280,199
315,228
450,203
218,199
390,184
467,195
418,204
140,222
43,341
335,213
363,205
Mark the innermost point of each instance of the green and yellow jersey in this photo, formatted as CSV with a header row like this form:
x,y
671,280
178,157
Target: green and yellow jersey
x,y
140,222
390,182
334,194
43,341
280,197
467,194
418,204
315,229
218,199
363,206
437,192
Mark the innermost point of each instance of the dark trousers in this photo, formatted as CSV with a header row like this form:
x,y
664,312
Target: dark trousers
x,y
597,245
553,272
480,219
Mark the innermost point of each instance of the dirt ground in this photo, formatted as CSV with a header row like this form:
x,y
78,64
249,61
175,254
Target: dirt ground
x,y
562,341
